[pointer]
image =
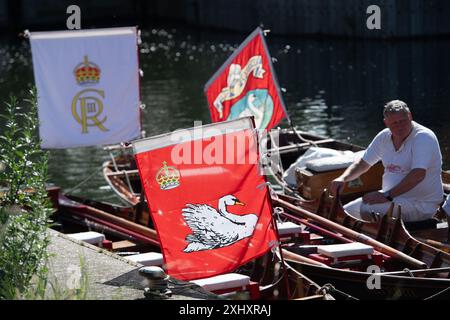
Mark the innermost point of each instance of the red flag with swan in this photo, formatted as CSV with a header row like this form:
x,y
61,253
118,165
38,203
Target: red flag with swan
x,y
209,203
246,85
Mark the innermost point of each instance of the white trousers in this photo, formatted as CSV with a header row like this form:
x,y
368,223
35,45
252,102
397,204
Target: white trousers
x,y
411,210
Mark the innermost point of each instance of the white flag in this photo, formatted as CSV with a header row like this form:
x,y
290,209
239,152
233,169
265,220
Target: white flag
x,y
88,86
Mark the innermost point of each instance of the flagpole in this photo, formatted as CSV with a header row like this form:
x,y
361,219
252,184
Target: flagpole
x,y
274,223
140,75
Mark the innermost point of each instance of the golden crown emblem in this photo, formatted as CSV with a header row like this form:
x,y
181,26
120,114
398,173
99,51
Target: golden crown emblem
x,y
87,72
168,177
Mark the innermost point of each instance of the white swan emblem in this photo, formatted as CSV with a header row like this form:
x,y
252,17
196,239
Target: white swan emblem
x,y
252,110
213,228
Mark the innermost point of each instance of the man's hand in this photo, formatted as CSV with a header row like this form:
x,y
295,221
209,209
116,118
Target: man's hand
x,y
352,172
336,185
374,197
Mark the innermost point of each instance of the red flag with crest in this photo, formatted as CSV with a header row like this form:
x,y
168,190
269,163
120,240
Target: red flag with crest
x,y
209,203
246,85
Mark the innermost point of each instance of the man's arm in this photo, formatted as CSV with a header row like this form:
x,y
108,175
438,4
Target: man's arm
x,y
355,170
412,179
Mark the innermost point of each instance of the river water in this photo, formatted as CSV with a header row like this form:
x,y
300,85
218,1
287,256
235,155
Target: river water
x,y
335,88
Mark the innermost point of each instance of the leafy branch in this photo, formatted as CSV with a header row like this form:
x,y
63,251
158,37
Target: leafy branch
x,y
24,204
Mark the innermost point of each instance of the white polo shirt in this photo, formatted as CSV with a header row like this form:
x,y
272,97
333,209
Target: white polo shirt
x,y
419,150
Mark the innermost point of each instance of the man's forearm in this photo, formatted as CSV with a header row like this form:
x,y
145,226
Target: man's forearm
x,y
355,170
411,180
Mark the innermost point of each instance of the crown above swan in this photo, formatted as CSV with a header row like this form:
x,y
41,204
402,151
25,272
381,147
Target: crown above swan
x,y
168,177
87,72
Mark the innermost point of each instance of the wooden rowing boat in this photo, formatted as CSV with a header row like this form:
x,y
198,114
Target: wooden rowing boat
x,y
119,223
400,286
311,186
400,281
390,231
122,175
308,278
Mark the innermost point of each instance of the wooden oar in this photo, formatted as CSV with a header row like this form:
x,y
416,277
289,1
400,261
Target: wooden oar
x,y
434,270
108,217
288,255
122,222
353,235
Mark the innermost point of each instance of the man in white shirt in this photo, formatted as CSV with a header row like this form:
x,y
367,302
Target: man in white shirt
x,y
412,163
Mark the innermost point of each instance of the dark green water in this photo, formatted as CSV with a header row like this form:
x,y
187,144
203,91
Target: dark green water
x,y
334,88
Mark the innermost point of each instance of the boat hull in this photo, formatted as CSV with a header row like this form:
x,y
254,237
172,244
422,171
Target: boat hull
x,y
363,286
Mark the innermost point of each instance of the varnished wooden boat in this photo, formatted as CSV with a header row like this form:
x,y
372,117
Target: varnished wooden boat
x,y
431,282
413,286
388,230
122,175
120,224
306,276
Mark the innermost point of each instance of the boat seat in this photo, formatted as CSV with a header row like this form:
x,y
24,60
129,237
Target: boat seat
x,y
147,259
345,250
229,282
288,228
346,253
91,237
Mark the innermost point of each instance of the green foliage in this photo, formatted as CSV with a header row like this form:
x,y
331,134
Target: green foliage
x,y
24,204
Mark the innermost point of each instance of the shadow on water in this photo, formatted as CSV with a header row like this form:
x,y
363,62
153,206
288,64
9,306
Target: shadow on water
x,y
334,88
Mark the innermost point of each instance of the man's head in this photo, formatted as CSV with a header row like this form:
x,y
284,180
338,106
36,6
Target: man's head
x,y
398,118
